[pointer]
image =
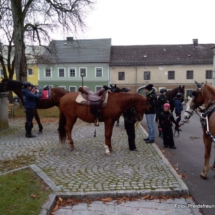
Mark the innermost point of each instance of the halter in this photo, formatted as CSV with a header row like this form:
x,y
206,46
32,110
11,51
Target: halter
x,y
204,116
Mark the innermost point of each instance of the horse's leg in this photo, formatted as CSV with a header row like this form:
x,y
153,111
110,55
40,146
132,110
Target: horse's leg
x,y
36,116
68,127
108,133
207,142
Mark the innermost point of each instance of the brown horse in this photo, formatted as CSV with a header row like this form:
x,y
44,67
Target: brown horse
x,y
117,103
204,95
16,87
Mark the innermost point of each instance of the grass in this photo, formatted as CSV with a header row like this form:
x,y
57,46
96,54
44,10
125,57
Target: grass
x,y
51,112
22,193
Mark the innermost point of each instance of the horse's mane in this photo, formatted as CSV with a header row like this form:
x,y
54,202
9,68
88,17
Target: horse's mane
x,y
172,93
13,83
123,96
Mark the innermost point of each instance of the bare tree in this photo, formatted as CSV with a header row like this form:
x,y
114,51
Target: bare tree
x,y
32,21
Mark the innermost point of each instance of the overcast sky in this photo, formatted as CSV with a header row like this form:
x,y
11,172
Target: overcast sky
x,y
142,22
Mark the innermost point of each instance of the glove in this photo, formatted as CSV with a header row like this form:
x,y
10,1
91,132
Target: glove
x,y
159,128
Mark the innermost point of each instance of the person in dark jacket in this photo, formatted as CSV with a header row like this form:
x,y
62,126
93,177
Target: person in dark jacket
x,y
30,104
129,122
166,120
162,99
178,108
150,114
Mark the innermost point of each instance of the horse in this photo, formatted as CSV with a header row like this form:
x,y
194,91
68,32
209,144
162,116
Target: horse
x,y
114,88
171,94
204,95
117,103
16,87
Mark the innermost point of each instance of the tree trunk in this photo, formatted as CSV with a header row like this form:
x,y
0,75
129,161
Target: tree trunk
x,y
18,39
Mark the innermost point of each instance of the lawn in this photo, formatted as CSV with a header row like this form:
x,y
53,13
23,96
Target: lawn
x,y
22,193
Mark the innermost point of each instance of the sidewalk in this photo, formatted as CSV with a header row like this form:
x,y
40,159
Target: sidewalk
x,y
87,172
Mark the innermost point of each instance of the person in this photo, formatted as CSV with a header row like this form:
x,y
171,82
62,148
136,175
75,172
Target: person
x,y
166,120
178,108
150,114
162,99
129,122
30,104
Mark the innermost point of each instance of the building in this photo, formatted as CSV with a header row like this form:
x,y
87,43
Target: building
x,y
161,65
70,62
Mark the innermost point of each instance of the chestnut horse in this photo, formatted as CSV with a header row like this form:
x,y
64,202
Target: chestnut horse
x,y
204,95
117,103
16,87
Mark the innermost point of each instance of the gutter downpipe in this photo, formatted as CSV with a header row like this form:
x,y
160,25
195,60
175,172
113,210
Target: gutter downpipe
x,y
136,79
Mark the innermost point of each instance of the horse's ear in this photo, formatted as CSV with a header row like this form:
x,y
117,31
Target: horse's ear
x,y
183,87
198,84
115,85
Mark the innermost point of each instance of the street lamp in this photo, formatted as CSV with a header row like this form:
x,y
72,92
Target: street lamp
x,y
82,76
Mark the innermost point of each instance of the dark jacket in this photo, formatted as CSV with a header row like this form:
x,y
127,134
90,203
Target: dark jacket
x,y
30,98
162,99
166,119
152,102
178,106
129,116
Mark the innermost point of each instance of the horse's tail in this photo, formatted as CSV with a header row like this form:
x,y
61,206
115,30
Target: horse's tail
x,y
61,128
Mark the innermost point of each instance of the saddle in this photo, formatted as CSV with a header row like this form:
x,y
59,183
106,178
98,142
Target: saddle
x,y
96,100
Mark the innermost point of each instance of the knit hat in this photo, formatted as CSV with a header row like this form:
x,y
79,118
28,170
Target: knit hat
x,y
149,87
166,105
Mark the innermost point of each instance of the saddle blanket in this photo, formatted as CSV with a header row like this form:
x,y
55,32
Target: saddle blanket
x,y
81,100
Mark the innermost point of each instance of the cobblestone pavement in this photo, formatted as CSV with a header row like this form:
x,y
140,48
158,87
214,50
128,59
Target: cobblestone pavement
x,y
86,171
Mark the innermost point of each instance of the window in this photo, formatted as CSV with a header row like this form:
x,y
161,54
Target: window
x,y
1,72
72,89
208,74
146,75
72,72
83,72
98,72
98,88
189,74
61,72
171,74
30,71
48,72
121,75
188,93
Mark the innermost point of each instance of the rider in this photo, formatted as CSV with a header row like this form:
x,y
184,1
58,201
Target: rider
x,y
30,104
162,99
178,108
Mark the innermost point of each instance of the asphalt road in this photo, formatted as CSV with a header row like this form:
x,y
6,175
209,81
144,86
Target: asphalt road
x,y
189,159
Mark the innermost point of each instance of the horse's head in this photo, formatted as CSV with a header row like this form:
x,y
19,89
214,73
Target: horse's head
x,y
182,91
114,88
188,112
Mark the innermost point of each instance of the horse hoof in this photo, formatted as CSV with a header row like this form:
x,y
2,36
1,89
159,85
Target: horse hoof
x,y
203,177
107,153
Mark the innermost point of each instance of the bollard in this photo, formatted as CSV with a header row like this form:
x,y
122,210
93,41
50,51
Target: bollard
x,y
4,110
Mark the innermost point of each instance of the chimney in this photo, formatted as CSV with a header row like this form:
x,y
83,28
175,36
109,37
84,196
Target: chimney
x,y
195,42
69,38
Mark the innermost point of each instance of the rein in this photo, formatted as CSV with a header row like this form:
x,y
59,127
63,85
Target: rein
x,y
204,116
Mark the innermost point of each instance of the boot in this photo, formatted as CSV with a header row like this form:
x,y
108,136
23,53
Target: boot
x,y
28,131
